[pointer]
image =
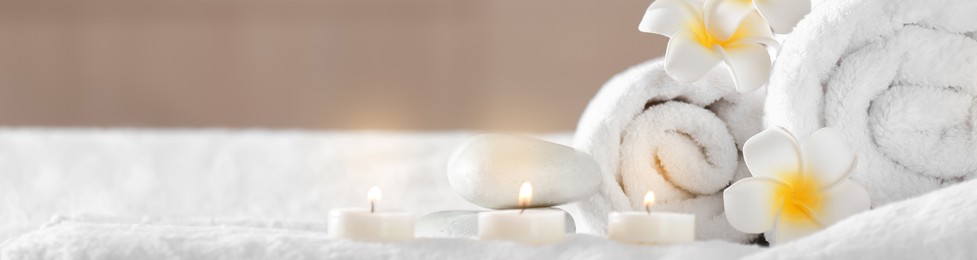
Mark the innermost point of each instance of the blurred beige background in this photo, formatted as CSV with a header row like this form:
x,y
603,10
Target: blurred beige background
x,y
497,65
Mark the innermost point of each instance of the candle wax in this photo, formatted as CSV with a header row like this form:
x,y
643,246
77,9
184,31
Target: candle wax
x,y
379,226
653,228
533,226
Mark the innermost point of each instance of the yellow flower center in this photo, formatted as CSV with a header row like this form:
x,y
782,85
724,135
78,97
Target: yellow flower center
x,y
799,199
708,40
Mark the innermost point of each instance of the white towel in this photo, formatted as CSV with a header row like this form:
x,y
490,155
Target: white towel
x,y
896,78
649,132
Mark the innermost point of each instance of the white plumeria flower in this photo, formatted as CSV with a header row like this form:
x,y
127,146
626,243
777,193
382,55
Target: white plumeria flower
x,y
695,48
782,15
794,191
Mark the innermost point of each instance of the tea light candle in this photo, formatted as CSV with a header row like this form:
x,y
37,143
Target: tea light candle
x,y
651,228
371,225
530,226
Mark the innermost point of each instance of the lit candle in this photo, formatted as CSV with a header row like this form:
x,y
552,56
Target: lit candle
x,y
651,228
371,224
530,226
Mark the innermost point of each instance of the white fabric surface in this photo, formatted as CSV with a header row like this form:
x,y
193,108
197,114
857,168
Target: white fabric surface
x,y
155,241
207,194
253,175
939,225
84,178
650,132
896,78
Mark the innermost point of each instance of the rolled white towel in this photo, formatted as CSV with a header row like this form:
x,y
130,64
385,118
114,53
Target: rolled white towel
x,y
681,141
898,79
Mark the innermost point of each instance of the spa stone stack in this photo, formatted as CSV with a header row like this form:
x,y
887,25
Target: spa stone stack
x,y
489,169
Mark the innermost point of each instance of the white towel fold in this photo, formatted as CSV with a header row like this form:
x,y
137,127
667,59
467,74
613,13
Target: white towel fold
x,y
897,78
649,132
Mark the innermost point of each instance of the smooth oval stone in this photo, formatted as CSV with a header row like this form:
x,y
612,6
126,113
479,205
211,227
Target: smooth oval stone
x,y
489,169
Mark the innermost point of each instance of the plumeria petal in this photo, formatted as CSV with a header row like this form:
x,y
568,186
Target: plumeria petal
x,y
844,199
753,29
667,17
771,153
783,14
828,157
749,64
686,60
723,17
786,231
749,206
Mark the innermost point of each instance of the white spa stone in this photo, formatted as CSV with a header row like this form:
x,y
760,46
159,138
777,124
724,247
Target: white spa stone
x,y
488,170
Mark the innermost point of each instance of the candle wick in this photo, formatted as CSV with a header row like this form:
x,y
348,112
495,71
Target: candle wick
x,y
522,210
372,206
647,209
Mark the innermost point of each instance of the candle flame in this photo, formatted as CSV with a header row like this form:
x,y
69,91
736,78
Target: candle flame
x,y
525,195
649,200
373,196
